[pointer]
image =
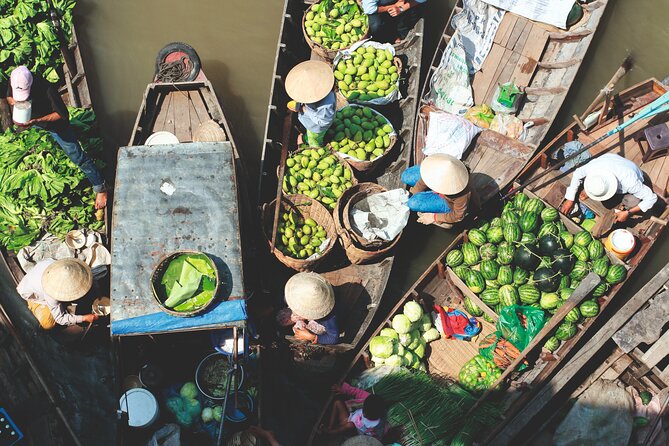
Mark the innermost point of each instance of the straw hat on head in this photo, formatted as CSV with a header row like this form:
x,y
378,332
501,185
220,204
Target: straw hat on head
x,y
444,174
309,81
67,280
601,185
309,295
209,131
362,440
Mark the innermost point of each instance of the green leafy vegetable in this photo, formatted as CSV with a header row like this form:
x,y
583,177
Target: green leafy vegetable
x,y
189,282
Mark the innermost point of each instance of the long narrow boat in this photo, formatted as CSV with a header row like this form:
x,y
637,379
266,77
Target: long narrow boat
x,y
362,285
539,58
439,285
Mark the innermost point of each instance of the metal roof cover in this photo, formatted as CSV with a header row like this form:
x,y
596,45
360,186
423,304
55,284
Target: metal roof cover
x,y
167,198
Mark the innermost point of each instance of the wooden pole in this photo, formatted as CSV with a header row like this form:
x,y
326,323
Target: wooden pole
x,y
608,88
285,142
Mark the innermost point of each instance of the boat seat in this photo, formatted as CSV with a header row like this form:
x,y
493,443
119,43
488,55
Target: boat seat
x,y
654,141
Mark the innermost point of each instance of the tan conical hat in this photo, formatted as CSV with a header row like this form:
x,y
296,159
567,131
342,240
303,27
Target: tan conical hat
x,y
209,131
444,174
67,280
309,295
362,440
309,81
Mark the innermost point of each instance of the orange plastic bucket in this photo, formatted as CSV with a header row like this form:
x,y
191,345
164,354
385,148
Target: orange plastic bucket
x,y
621,243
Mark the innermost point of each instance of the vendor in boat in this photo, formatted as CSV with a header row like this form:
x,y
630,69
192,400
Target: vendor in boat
x,y
311,309
309,85
611,178
51,285
391,20
449,194
49,112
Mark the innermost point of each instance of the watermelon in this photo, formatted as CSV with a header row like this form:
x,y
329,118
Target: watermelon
x,y
470,253
549,301
528,294
529,222
475,281
595,249
505,253
548,244
510,216
528,238
495,234
508,295
492,284
552,344
520,276
573,316
546,262
505,276
565,293
580,252
496,222
600,289
566,330
579,271
535,305
601,266
546,279
454,258
461,271
526,257
582,238
567,239
616,274
512,232
489,269
534,205
519,200
548,228
477,237
472,308
549,214
575,283
589,308
488,319
557,307
565,282
563,261
484,226
488,251
490,297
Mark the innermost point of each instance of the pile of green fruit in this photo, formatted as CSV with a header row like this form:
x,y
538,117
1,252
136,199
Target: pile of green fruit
x,y
318,174
478,374
526,256
299,237
360,132
367,73
335,25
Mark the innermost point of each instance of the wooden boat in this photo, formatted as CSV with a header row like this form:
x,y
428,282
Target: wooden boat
x,y
439,284
540,59
359,288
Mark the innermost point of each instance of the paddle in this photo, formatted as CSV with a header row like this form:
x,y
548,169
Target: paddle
x,y
608,88
584,289
659,105
285,141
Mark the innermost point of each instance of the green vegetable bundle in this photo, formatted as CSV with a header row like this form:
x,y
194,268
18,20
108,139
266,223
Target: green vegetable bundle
x,y
189,282
28,37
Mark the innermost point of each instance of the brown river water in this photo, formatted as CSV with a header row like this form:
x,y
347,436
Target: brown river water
x,y
237,39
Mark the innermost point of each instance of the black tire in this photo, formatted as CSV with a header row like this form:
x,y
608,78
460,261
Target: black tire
x,y
182,48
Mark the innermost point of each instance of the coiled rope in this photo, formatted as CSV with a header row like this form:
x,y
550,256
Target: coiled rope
x,y
177,71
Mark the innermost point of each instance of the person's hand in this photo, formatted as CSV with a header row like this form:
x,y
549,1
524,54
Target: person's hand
x,y
304,335
394,11
323,430
566,207
426,218
31,123
90,318
292,106
583,195
300,139
336,388
622,216
100,200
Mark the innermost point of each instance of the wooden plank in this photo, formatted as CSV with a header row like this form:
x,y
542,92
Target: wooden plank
x,y
519,44
504,75
646,328
505,28
485,76
182,127
618,367
199,108
657,352
531,54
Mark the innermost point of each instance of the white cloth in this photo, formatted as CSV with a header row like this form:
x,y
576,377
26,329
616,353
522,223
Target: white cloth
x,y
30,287
629,176
382,216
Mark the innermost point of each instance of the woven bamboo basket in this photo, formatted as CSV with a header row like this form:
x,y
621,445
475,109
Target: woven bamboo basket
x,y
306,207
359,252
156,286
396,61
326,53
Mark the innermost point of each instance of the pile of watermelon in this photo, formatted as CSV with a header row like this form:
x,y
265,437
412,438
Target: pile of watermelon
x,y
526,256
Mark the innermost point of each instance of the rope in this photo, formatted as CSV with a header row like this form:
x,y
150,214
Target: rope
x,y
177,71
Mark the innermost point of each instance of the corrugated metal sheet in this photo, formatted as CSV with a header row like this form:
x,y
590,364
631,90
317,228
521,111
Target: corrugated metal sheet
x,y
168,198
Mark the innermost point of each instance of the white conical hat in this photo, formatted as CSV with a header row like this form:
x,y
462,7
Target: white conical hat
x,y
309,81
362,440
309,295
444,174
67,280
600,185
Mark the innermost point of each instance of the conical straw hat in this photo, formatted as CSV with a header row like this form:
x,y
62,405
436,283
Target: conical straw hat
x,y
209,131
444,174
362,440
67,280
309,81
309,295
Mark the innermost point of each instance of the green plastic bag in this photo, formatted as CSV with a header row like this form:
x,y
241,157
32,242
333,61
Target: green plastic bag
x,y
519,324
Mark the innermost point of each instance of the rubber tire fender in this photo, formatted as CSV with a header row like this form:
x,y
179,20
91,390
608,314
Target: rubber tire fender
x,y
180,47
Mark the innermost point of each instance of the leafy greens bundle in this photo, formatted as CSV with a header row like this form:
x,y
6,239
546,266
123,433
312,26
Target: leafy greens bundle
x,y
189,282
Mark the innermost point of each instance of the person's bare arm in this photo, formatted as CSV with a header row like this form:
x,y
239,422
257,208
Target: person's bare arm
x,y
11,101
51,117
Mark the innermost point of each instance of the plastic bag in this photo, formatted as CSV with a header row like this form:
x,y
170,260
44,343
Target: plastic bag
x,y
478,374
520,325
451,88
448,133
481,115
508,125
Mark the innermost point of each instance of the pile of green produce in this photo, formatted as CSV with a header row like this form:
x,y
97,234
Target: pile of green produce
x,y
299,237
335,25
28,37
403,344
186,407
189,282
41,190
478,374
526,256
318,174
367,73
360,132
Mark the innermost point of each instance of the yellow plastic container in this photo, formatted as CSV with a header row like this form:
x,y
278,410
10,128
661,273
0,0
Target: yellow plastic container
x,y
621,243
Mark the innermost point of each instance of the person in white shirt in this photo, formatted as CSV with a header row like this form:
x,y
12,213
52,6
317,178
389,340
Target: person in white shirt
x,y
391,20
606,176
53,283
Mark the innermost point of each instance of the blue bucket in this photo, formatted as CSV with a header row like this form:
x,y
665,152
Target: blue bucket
x,y
244,410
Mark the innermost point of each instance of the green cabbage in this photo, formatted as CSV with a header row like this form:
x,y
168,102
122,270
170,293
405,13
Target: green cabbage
x,y
389,332
413,311
425,323
177,406
405,339
420,350
189,390
381,346
218,412
193,407
207,414
393,360
401,323
415,340
377,361
431,335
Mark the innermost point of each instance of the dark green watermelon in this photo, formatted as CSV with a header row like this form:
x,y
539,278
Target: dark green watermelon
x,y
563,261
548,244
526,257
546,279
489,269
529,222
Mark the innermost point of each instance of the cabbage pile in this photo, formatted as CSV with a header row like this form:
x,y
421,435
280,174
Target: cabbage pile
x,y
186,407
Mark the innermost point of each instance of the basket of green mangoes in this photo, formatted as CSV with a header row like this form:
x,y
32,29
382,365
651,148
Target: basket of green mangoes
x,y
319,173
368,73
305,234
330,26
361,135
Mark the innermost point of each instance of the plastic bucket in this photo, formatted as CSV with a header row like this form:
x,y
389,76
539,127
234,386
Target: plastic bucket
x,y
161,137
621,243
246,404
22,112
141,407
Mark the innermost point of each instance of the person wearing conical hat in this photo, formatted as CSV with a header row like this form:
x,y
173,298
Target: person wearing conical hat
x,y
309,85
391,20
609,175
311,309
440,190
51,285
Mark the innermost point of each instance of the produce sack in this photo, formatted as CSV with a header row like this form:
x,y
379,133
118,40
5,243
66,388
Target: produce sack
x,y
480,115
448,133
478,374
451,88
393,90
500,351
519,324
381,216
508,125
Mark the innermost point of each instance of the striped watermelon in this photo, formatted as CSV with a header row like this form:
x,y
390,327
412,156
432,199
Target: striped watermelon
x,y
534,305
512,232
589,308
496,222
549,301
573,316
492,284
601,266
488,251
567,239
565,293
520,276
579,272
490,297
582,238
548,228
477,237
616,274
488,319
508,295
575,283
505,252
600,290
580,252
454,258
484,226
505,276
510,216
534,205
519,200
552,344
470,254
528,238
489,269
495,234
499,307
549,214
566,330
472,308
528,294
461,271
595,249
475,281
565,282
529,222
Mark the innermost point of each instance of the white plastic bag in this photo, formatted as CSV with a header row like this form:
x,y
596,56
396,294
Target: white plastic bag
x,y
450,134
508,125
451,88
381,216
